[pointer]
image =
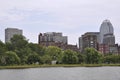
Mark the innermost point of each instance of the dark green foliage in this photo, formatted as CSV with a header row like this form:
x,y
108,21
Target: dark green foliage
x,y
23,54
69,57
112,58
54,52
20,51
46,59
19,42
2,47
34,58
37,48
9,46
10,58
81,58
93,56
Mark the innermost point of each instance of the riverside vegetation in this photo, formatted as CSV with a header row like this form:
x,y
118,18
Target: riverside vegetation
x,y
19,53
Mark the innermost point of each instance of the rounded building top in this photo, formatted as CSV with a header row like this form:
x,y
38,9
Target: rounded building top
x,y
106,21
106,28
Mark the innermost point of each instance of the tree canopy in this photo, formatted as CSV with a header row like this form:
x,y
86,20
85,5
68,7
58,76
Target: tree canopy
x,y
20,51
92,56
70,57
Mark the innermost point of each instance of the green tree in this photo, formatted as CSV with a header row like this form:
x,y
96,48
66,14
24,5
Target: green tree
x,y
81,58
37,48
2,51
112,58
9,46
10,58
46,59
34,58
70,57
60,57
23,54
19,42
2,48
54,52
93,56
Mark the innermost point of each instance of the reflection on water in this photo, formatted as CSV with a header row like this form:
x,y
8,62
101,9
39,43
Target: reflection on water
x,y
61,73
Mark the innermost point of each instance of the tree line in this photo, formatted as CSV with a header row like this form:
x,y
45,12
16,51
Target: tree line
x,y
19,52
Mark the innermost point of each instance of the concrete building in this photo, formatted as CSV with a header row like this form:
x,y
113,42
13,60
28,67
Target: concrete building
x,y
51,38
80,41
89,39
118,49
109,39
56,39
114,49
10,32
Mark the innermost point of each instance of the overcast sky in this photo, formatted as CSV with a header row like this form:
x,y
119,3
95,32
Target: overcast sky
x,y
71,17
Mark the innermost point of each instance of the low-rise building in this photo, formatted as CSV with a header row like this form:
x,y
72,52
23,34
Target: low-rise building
x,y
56,39
104,48
51,39
108,49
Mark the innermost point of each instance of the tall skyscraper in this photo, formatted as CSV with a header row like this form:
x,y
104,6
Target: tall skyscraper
x,y
107,38
107,33
104,41
10,32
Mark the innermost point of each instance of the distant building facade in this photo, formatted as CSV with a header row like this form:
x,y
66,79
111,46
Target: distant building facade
x,y
109,39
89,39
10,32
55,39
51,38
103,48
80,41
103,41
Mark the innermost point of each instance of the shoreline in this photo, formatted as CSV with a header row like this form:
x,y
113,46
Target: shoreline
x,y
57,65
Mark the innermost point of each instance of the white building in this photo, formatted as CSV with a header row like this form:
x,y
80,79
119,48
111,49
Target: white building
x,y
10,32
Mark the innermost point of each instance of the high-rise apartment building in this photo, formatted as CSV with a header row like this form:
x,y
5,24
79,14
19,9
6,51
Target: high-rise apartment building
x,y
10,32
89,39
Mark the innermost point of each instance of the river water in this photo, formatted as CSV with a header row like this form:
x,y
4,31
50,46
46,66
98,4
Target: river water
x,y
61,73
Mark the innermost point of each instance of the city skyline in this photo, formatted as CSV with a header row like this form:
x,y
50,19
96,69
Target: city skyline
x,y
71,17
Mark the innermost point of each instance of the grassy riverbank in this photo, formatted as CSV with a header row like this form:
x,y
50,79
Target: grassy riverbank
x,y
57,65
